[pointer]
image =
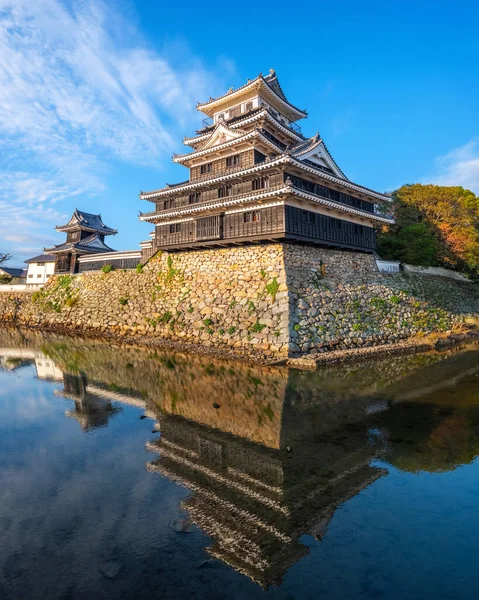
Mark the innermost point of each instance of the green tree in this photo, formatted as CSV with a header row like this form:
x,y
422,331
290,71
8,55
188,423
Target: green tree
x,y
435,225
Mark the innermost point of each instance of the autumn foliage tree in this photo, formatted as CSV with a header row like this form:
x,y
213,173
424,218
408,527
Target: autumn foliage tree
x,y
435,226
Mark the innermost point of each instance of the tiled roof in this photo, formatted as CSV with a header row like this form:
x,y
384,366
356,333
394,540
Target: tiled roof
x,y
88,221
271,81
89,244
310,144
12,271
41,258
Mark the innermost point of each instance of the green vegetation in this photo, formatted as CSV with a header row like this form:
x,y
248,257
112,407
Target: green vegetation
x,y
272,288
57,295
123,301
435,226
257,327
231,330
171,272
107,268
139,268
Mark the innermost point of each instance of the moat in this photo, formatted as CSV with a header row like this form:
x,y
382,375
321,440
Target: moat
x,y
130,473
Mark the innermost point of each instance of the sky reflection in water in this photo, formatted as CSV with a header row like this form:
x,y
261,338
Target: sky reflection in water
x,y
357,481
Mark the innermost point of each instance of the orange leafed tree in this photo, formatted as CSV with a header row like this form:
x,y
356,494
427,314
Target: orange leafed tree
x,y
435,226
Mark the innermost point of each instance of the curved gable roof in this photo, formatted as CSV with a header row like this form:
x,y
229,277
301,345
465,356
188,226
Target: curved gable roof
x,y
269,82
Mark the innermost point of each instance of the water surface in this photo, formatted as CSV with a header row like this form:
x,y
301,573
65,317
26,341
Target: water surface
x,y
134,474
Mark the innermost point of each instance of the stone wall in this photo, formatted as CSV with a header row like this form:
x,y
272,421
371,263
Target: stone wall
x,y
340,300
275,299
231,297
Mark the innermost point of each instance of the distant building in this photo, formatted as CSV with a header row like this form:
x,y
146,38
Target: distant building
x,y
85,235
12,275
40,269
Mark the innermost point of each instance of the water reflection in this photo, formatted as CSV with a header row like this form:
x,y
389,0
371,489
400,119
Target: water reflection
x,y
269,454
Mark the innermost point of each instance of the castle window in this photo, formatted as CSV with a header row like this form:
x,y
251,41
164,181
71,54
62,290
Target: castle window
x,y
221,117
260,183
248,106
234,160
336,224
194,198
175,228
206,168
224,191
309,217
252,216
235,111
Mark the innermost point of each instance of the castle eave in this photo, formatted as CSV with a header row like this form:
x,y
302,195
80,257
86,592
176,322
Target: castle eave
x,y
283,159
280,193
263,113
185,158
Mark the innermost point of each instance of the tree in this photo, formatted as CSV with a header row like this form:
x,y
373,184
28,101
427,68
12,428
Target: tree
x,y
435,226
4,278
4,257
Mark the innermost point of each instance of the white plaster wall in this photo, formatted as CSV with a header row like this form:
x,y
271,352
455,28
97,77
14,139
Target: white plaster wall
x,y
39,273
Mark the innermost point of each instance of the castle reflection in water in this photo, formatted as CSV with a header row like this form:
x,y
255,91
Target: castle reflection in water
x,y
268,454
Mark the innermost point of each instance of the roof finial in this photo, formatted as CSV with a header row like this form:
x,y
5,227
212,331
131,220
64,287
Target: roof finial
x,y
272,72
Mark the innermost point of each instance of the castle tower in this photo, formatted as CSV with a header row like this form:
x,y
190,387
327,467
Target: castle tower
x,y
254,177
85,235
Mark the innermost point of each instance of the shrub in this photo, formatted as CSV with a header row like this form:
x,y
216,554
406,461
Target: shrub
x,y
107,268
272,288
139,268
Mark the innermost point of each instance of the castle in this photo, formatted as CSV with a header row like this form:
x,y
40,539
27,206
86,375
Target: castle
x,y
255,178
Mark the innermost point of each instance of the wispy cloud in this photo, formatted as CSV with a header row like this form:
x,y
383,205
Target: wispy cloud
x,y
79,88
460,166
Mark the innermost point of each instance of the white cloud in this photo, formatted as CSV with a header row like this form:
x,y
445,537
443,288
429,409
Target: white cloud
x,y
458,167
79,88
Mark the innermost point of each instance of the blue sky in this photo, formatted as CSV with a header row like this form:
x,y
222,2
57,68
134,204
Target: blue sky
x,y
95,96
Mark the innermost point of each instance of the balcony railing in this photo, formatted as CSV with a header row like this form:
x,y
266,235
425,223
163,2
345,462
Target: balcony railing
x,y
210,203
207,123
295,127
